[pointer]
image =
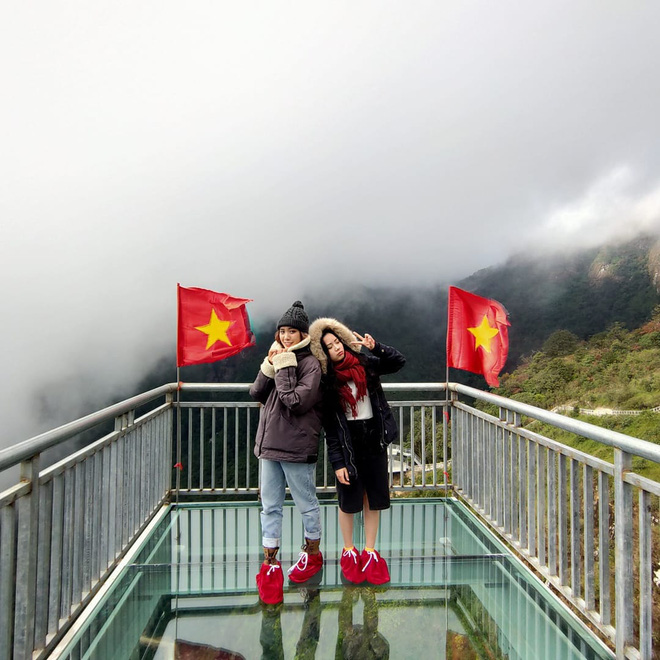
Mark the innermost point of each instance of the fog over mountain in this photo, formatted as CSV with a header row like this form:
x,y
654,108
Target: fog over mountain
x,y
277,151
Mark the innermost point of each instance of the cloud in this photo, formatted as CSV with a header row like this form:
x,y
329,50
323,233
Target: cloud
x,y
612,207
270,150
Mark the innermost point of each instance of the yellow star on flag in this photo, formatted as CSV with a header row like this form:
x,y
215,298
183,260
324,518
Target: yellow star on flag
x,y
216,330
483,334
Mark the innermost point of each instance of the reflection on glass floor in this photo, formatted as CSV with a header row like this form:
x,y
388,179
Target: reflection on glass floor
x,y
455,593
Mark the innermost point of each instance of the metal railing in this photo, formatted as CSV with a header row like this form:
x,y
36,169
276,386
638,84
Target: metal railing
x,y
215,442
559,508
63,529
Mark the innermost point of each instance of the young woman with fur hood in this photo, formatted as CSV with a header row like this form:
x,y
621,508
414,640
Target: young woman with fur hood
x,y
287,445
359,425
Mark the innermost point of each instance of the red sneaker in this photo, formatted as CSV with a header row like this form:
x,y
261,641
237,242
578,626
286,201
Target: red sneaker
x,y
374,567
351,568
270,583
307,566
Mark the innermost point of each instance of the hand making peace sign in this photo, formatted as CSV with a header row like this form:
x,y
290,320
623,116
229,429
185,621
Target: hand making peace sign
x,y
368,341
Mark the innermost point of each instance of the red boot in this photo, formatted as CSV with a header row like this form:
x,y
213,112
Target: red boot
x,y
309,563
374,567
270,581
351,567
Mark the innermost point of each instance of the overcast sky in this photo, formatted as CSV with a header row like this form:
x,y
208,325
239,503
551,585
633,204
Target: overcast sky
x,y
272,149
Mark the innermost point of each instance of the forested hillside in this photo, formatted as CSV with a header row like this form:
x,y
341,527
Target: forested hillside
x,y
582,292
615,370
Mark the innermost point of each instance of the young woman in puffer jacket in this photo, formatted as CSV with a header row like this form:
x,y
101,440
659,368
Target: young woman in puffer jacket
x,y
359,425
287,443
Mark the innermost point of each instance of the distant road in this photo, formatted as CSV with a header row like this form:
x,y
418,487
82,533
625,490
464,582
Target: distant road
x,y
601,412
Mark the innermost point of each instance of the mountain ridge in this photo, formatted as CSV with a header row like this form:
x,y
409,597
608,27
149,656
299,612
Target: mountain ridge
x,y
583,292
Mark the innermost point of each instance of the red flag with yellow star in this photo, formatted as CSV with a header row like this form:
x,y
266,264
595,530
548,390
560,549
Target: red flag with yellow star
x,y
211,326
477,334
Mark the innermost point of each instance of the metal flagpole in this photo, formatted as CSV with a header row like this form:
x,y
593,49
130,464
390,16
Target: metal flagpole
x,y
178,467
444,429
445,423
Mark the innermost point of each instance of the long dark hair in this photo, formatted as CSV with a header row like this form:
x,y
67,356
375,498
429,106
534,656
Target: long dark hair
x,y
331,378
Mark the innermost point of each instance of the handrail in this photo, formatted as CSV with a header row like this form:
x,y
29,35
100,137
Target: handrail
x,y
244,387
15,454
24,450
614,439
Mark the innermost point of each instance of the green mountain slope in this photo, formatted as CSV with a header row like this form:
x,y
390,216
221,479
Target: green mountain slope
x,y
583,292
617,368
613,371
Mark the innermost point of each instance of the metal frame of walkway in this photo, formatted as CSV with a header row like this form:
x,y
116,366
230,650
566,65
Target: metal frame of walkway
x,y
586,526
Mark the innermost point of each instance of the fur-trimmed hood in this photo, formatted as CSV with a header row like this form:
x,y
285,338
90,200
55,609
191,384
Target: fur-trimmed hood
x,y
337,328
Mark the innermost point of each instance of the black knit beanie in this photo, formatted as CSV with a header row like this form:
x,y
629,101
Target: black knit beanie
x,y
295,317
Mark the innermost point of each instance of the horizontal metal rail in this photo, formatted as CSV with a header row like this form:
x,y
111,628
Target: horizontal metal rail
x,y
621,441
26,450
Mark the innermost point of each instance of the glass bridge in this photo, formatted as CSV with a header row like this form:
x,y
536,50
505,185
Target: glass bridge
x,y
134,533
188,591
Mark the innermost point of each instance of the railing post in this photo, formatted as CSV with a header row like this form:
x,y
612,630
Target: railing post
x,y
589,570
645,577
500,466
512,475
169,431
603,548
456,432
623,555
445,452
26,562
120,422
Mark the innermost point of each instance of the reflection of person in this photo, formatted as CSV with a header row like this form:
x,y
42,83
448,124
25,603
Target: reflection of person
x,y
271,628
359,425
271,632
287,445
360,641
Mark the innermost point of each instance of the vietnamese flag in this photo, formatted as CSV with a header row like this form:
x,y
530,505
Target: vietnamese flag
x,y
477,334
211,326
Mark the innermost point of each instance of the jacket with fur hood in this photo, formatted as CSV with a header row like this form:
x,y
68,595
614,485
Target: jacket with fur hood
x,y
383,360
290,392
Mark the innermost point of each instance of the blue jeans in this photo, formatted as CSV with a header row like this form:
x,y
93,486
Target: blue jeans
x,y
301,478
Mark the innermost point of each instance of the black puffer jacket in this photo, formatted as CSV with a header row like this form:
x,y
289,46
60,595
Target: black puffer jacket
x,y
290,392
384,360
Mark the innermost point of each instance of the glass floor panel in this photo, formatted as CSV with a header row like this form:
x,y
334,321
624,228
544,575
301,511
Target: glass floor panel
x,y
455,592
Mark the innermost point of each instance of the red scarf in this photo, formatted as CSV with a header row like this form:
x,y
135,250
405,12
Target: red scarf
x,y
351,369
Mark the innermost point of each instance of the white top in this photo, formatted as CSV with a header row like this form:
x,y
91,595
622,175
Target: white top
x,y
363,406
